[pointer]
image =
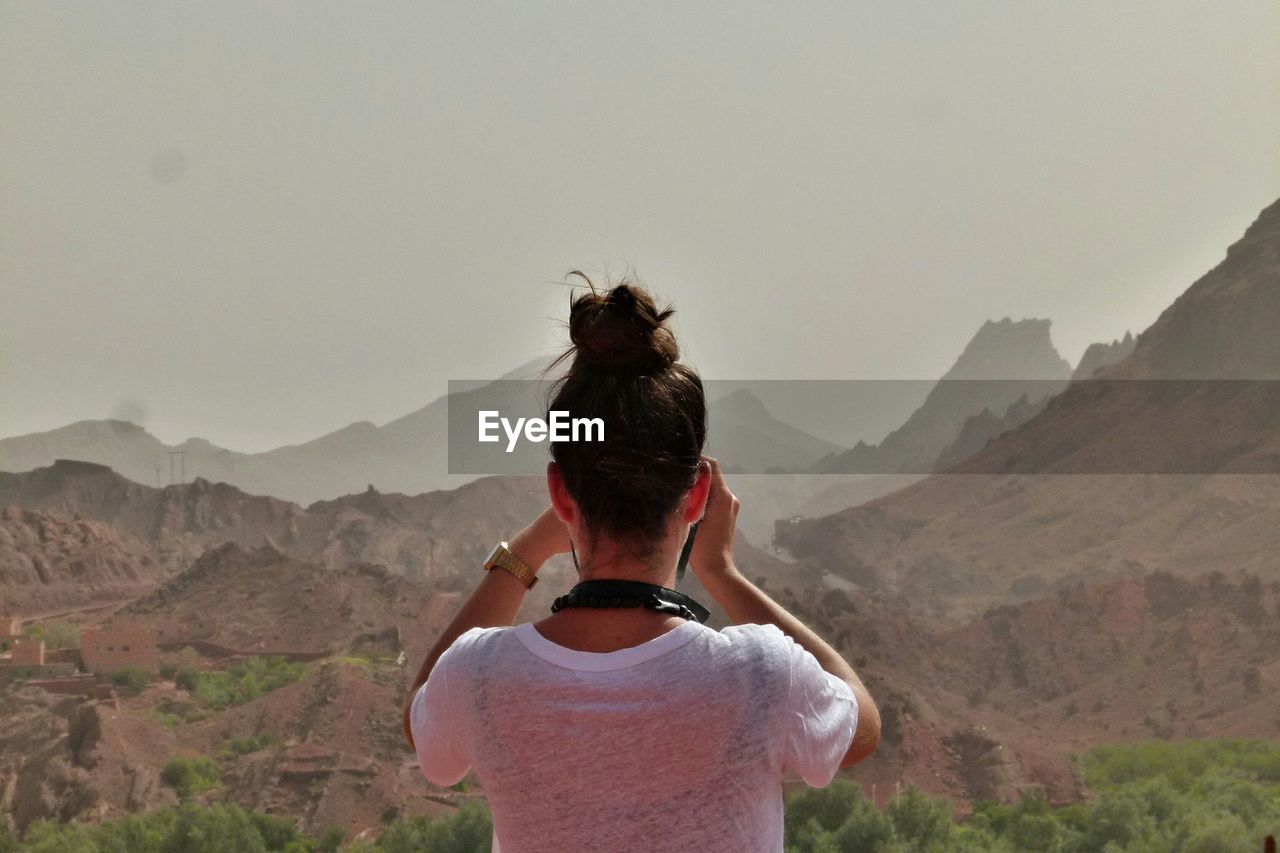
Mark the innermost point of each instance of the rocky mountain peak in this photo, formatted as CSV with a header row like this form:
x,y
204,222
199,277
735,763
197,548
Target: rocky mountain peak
x,y
1011,349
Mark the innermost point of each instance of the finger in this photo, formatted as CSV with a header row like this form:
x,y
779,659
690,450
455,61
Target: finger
x,y
718,483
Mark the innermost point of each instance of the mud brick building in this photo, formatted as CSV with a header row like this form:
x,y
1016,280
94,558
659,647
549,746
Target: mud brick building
x,y
10,630
27,653
106,649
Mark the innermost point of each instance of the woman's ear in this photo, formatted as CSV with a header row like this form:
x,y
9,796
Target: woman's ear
x,y
566,509
696,498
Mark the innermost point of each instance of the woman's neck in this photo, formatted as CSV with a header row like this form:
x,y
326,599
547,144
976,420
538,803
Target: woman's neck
x,y
605,560
657,570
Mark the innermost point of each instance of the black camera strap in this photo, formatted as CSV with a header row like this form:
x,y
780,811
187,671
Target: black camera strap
x,y
620,593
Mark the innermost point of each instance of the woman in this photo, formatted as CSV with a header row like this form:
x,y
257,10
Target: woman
x,y
620,722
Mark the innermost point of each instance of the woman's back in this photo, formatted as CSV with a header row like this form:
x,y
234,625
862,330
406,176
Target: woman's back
x,y
602,727
678,743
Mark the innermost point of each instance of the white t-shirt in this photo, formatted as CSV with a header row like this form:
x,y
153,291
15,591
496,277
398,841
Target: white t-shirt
x,y
679,743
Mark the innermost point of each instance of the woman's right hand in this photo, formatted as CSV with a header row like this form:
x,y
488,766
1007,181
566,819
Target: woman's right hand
x,y
712,554
541,539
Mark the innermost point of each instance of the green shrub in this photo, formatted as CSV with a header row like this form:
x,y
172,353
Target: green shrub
x,y
1182,762
189,828
469,830
251,744
170,720
190,776
56,633
131,680
243,682
1185,797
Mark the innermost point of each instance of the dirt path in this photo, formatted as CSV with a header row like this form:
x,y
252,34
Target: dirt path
x,y
111,606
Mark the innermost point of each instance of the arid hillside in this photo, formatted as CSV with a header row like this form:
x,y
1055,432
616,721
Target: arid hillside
x,y
984,709
420,536
50,562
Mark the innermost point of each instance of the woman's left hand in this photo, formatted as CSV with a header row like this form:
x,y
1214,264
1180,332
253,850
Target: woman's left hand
x,y
542,538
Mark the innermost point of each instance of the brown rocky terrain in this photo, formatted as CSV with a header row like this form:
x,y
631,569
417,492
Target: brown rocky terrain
x,y
66,757
49,563
337,756
986,708
422,536
338,759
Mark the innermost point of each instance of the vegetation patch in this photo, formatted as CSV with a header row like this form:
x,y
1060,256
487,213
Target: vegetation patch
x,y
248,745
191,776
1184,797
56,633
131,680
189,827
243,682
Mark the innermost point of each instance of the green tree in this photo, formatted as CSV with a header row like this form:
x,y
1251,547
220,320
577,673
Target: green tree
x,y
131,680
8,844
826,808
190,776
922,822
469,830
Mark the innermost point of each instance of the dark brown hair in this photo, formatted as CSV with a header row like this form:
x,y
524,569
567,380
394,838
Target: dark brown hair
x,y
625,371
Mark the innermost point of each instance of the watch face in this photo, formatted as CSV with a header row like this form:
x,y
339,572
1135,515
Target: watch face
x,y
497,549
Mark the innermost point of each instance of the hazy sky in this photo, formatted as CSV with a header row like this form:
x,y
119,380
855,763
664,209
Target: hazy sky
x,y
257,222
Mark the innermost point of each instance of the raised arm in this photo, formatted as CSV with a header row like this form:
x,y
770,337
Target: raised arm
x,y
744,602
497,598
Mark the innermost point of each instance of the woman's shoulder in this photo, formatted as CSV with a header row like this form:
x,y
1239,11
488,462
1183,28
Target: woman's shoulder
x,y
477,641
757,642
481,636
749,632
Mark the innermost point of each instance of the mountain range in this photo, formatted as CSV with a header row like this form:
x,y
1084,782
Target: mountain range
x,y
1166,460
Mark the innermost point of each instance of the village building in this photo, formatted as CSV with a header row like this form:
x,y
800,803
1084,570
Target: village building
x,y
10,631
27,653
109,648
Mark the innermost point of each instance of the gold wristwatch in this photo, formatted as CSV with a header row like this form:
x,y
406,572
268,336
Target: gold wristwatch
x,y
502,558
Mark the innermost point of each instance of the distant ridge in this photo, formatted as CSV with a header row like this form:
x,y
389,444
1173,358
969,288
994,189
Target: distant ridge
x,y
407,455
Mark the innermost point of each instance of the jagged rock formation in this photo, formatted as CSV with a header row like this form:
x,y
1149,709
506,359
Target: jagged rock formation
x,y
1098,356
981,429
48,563
1004,362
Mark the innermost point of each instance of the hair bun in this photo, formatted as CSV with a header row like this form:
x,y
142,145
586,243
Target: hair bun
x,y
621,327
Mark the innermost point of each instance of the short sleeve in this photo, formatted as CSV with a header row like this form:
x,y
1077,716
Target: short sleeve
x,y
819,716
436,719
